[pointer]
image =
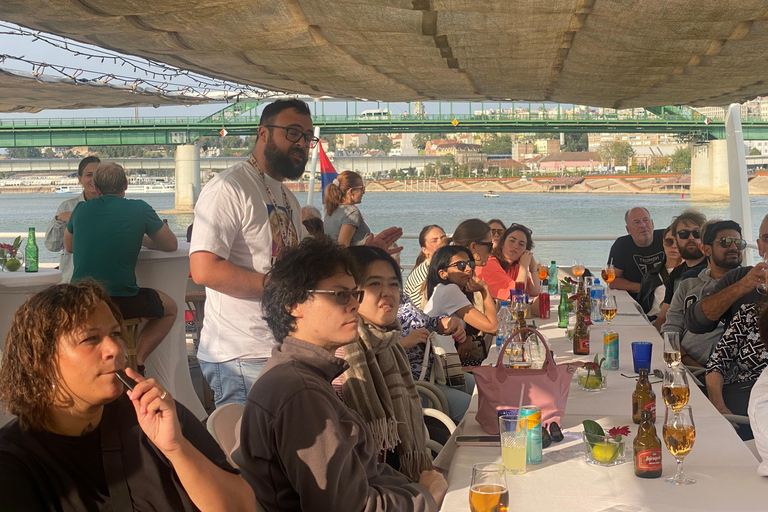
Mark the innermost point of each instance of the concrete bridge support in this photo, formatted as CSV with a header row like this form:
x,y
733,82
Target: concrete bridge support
x,y
187,177
709,171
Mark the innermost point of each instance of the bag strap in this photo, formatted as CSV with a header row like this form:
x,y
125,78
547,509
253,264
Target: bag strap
x,y
111,454
549,367
425,361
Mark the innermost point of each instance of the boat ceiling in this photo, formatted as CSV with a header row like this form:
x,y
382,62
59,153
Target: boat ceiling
x,y
30,93
609,53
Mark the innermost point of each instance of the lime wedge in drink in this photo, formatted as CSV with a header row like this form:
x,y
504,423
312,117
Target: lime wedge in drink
x,y
605,452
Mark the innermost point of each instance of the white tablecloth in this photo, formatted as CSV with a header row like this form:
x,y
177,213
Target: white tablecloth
x,y
168,272
725,469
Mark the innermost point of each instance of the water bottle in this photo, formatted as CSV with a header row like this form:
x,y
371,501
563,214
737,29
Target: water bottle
x,y
504,321
553,278
596,295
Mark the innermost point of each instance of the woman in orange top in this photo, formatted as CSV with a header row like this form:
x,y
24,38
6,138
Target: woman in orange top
x,y
511,262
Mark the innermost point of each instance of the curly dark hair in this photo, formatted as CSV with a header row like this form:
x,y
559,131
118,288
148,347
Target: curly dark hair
x,y
297,272
497,251
30,364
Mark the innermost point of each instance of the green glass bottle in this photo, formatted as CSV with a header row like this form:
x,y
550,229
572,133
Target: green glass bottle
x,y
562,310
30,253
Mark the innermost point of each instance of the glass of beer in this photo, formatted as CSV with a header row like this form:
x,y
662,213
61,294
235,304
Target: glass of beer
x,y
679,435
608,309
488,490
578,267
608,273
513,432
675,389
672,349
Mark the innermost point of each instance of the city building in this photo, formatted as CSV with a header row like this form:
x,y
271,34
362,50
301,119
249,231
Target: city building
x,y
570,162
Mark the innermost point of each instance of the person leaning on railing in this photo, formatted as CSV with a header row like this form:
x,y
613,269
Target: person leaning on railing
x,y
79,442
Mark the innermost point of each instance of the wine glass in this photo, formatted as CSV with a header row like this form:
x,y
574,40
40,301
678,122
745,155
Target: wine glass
x,y
762,288
578,267
543,271
679,435
608,273
675,389
488,490
672,349
608,309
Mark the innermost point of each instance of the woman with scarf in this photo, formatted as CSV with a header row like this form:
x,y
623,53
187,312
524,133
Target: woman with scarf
x,y
378,384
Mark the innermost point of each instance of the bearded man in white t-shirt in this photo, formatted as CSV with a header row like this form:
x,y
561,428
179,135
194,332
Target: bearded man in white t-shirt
x,y
244,219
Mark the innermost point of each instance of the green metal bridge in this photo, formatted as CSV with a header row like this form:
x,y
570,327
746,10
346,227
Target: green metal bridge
x,y
242,119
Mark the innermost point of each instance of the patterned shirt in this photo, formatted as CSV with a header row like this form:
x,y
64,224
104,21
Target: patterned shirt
x,y
412,318
740,355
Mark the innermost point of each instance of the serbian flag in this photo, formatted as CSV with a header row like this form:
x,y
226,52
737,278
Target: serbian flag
x,y
327,172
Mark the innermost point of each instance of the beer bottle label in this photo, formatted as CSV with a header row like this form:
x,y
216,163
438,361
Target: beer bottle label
x,y
649,460
651,406
584,344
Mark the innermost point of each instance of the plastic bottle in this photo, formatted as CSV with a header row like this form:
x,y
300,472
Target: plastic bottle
x,y
597,294
553,278
504,322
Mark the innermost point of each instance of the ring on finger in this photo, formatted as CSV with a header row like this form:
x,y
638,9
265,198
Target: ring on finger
x,y
162,397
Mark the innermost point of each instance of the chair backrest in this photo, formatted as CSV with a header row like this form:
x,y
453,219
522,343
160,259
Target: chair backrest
x,y
224,425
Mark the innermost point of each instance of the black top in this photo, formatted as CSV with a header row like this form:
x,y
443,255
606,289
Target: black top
x,y
45,472
635,261
677,275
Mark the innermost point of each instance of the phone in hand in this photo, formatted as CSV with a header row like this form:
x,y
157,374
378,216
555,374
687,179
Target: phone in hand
x,y
125,379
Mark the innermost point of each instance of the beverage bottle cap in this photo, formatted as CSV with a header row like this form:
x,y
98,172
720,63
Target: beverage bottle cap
x,y
553,262
544,282
597,281
504,304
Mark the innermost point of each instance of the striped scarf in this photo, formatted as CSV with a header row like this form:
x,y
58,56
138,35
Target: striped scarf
x,y
379,386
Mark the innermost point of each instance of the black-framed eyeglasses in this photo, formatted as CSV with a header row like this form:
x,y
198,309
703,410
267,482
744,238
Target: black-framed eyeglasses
x,y
461,266
669,242
726,241
487,244
342,296
685,233
294,135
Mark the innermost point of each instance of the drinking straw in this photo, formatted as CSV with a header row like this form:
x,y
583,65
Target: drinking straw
x,y
520,406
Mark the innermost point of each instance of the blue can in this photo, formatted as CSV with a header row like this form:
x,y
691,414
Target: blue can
x,y
533,448
611,350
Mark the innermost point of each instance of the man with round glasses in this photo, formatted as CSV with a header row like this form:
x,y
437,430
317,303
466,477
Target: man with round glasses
x,y
244,219
686,232
737,287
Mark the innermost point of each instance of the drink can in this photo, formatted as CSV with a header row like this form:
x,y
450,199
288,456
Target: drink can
x,y
611,350
533,449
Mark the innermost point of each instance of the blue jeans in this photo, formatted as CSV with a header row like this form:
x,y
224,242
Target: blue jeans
x,y
232,380
459,397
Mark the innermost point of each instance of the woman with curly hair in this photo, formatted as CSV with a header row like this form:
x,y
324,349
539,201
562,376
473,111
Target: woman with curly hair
x,y
512,262
80,441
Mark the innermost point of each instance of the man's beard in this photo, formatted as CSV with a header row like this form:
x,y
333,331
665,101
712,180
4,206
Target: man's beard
x,y
723,263
690,253
283,163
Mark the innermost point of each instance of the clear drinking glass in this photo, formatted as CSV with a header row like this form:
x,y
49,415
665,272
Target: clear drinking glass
x,y
513,432
578,267
608,273
675,389
672,349
488,490
679,435
608,309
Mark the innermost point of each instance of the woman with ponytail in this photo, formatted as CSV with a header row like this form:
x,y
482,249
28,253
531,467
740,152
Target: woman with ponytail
x,y
343,221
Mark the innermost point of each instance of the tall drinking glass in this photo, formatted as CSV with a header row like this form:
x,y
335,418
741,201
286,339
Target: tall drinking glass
x,y
679,435
513,431
672,349
488,489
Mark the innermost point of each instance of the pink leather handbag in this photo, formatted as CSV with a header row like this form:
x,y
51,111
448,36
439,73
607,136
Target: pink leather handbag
x,y
546,388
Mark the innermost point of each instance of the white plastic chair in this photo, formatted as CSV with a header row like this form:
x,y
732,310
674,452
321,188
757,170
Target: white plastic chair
x,y
434,396
433,445
224,425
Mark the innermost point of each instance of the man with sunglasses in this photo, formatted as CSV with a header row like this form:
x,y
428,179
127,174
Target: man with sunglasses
x,y
737,287
696,348
633,255
301,448
244,219
686,229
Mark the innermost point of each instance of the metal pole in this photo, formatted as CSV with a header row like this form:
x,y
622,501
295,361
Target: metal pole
x,y
313,169
737,174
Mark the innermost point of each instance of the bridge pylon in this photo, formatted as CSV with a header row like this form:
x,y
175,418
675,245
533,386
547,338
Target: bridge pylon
x,y
709,171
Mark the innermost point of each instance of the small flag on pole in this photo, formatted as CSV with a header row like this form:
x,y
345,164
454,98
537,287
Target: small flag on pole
x,y
223,132
327,172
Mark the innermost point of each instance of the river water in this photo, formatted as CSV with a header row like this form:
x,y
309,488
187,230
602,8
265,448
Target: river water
x,y
545,214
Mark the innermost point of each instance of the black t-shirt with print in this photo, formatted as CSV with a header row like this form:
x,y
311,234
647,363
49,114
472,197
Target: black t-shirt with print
x,y
635,261
45,472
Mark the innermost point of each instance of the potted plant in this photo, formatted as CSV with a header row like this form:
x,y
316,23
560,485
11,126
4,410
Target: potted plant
x,y
604,449
10,259
590,376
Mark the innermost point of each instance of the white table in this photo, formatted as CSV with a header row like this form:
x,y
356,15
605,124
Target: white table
x,y
168,272
725,469
15,289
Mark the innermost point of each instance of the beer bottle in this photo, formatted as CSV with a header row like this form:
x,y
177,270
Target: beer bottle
x,y
643,398
646,449
581,334
562,310
30,252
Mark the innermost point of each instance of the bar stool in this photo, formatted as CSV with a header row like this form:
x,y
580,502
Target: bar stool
x,y
130,333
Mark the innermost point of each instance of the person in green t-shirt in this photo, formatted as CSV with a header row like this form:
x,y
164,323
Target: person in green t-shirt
x,y
105,236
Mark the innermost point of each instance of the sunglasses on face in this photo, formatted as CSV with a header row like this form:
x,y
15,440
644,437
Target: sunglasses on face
x,y
669,242
461,266
487,244
685,233
342,296
726,241
497,232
